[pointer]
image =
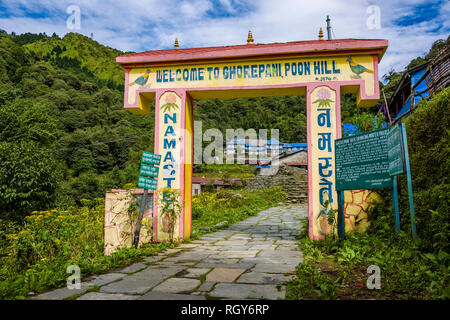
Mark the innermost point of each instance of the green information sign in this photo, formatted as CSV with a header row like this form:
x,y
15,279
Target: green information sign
x,y
151,158
149,171
147,183
395,151
362,161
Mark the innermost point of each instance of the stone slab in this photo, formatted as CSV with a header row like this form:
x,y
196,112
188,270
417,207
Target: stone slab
x,y
134,268
62,293
177,285
231,243
206,286
132,285
157,295
106,278
171,250
106,296
247,291
142,281
189,245
193,272
261,278
187,257
239,254
274,268
153,258
224,275
224,265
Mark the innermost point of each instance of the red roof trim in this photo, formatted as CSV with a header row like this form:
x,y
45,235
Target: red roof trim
x,y
248,50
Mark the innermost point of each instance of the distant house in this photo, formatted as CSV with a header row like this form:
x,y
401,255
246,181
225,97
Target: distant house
x,y
297,159
418,83
252,150
199,183
257,150
290,147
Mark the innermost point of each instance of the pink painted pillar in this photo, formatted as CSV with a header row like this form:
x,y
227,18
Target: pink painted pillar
x,y
323,127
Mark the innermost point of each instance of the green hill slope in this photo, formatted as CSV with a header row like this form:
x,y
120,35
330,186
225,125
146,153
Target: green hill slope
x,y
78,51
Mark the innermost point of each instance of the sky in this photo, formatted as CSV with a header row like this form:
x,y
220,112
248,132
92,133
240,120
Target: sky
x,y
411,26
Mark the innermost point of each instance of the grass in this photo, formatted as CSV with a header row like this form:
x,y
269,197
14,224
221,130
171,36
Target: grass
x,y
226,171
337,269
34,256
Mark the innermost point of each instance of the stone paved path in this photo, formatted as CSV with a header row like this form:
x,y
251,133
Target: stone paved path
x,y
249,260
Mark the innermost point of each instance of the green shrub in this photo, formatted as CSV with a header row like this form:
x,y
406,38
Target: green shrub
x,y
428,130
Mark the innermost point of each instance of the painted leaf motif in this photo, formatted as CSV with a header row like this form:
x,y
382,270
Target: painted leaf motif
x,y
168,107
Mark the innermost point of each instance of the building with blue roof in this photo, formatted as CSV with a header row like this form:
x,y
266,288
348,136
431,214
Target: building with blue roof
x,y
418,83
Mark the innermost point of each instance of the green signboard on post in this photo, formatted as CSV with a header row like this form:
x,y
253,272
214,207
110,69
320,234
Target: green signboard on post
x,y
362,161
149,171
147,183
395,151
150,158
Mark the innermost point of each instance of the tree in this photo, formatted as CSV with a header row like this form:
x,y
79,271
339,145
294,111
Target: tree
x,y
28,179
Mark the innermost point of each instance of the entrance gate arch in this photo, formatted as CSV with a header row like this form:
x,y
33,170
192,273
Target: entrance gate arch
x,y
320,69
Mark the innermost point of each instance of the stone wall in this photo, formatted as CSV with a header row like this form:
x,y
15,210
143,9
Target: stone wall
x,y
294,181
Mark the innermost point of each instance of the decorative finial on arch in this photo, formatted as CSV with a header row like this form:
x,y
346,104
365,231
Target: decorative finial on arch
x,y
320,34
250,37
176,43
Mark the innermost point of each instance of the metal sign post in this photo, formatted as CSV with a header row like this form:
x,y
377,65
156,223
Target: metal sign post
x,y
396,166
341,217
395,204
147,171
139,220
408,178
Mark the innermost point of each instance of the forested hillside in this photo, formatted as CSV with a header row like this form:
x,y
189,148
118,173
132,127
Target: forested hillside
x,y
62,123
64,133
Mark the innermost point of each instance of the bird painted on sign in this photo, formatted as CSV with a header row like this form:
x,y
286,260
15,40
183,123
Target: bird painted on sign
x,y
142,80
357,69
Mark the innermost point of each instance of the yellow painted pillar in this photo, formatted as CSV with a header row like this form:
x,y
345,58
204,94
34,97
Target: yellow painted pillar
x,y
174,142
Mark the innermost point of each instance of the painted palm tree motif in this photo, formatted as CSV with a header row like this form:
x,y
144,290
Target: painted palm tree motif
x,y
170,103
324,96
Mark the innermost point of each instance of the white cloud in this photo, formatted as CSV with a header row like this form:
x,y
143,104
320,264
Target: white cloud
x,y
136,25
